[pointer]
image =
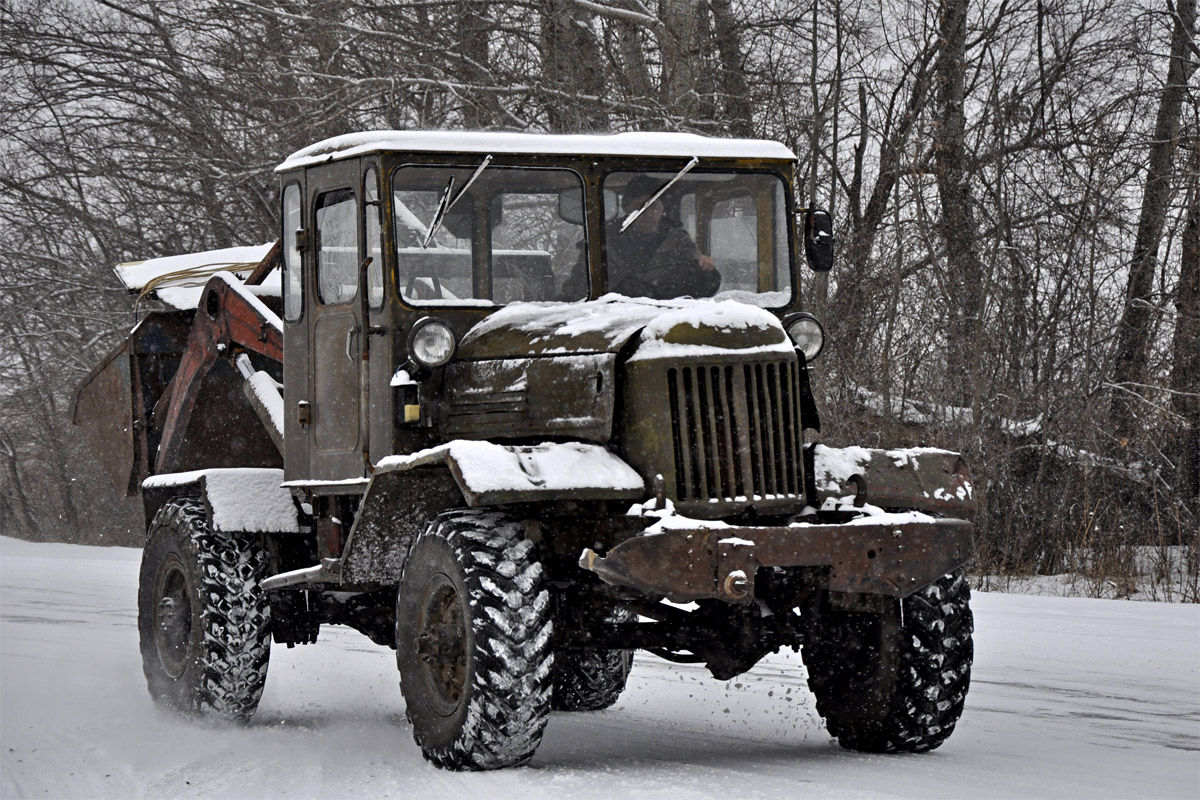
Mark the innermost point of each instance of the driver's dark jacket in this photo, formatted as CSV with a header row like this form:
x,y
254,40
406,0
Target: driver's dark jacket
x,y
662,264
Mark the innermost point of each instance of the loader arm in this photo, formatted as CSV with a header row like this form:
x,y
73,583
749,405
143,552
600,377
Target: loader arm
x,y
226,315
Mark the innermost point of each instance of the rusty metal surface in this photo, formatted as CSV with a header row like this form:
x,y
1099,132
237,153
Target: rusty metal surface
x,y
271,260
568,395
224,318
878,558
104,413
111,403
923,479
724,432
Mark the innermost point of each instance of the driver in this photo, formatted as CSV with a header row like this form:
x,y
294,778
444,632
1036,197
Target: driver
x,y
655,256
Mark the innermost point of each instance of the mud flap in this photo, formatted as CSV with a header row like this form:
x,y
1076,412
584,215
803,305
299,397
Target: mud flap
x,y
394,510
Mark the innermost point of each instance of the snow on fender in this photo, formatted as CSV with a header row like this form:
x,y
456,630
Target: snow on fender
x,y
407,491
251,500
919,478
490,474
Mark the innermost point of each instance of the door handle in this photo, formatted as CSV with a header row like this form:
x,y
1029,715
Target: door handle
x,y
350,334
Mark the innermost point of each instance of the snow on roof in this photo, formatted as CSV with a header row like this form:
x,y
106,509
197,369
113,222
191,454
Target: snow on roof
x,y
616,144
180,279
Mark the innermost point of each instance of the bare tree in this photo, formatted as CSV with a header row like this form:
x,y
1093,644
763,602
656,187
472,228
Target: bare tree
x,y
572,69
1185,350
964,288
1133,332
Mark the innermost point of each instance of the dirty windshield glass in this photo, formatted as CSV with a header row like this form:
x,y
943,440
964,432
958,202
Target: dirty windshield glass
x,y
711,234
512,235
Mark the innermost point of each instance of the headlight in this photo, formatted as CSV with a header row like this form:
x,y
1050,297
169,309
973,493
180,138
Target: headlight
x,y
431,342
807,334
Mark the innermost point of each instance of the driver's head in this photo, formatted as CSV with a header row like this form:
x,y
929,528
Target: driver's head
x,y
638,191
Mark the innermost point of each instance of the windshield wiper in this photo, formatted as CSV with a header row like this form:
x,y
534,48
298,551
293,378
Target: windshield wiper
x,y
650,201
445,204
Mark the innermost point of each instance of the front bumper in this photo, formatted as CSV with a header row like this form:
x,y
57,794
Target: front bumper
x,y
876,555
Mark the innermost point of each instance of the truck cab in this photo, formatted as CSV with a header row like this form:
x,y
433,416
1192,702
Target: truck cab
x,y
399,244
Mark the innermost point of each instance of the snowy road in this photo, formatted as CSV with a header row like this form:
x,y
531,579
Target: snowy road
x,y
1070,698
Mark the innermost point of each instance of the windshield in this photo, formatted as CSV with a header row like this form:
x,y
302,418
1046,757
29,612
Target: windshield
x,y
508,235
711,234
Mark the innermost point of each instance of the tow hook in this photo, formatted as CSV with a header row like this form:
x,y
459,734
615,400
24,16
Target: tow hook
x,y
737,585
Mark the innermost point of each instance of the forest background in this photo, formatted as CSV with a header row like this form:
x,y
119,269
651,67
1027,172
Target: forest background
x,y
1015,184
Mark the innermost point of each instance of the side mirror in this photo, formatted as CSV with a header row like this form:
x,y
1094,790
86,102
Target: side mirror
x,y
570,206
818,239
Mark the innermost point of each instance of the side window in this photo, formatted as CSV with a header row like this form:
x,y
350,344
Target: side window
x,y
337,247
293,286
374,234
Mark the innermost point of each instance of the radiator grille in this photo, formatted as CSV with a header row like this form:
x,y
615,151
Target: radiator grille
x,y
736,431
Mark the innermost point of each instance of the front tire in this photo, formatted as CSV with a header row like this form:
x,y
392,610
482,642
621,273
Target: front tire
x,y
203,618
895,681
473,642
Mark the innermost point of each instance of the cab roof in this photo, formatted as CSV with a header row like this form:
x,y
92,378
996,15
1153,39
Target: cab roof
x,y
683,145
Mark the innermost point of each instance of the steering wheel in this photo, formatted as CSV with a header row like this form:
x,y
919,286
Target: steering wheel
x,y
665,280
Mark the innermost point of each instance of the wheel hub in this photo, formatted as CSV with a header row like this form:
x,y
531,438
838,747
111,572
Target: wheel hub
x,y
442,645
173,618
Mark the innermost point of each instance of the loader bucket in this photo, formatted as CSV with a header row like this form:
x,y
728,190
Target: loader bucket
x,y
115,409
113,403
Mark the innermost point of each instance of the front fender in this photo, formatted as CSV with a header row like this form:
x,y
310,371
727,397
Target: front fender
x,y
406,492
918,478
495,474
249,500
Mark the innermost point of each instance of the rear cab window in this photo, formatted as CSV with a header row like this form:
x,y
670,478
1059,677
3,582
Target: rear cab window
x,y
473,234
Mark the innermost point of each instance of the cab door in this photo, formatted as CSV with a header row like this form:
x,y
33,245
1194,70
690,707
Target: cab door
x,y
297,393
335,323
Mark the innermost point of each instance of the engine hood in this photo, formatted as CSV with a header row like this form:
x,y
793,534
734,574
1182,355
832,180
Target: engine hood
x,y
606,325
550,369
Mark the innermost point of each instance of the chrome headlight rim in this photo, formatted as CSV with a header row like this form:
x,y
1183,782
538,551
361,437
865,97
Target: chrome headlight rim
x,y
792,323
418,338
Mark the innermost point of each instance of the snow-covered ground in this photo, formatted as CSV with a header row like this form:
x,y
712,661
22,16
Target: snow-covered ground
x,y
1070,698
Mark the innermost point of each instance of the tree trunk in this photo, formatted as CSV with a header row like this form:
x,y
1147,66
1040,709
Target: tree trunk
x,y
857,282
14,497
633,70
1185,355
683,69
473,26
964,271
1134,329
731,79
572,68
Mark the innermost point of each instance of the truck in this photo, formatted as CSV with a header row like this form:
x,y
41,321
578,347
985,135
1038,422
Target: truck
x,y
472,405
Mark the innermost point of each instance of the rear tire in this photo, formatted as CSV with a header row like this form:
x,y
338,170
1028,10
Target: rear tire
x,y
887,687
473,642
592,680
203,618
589,680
